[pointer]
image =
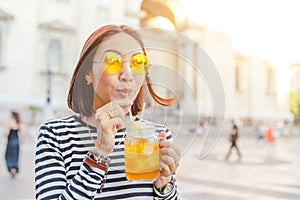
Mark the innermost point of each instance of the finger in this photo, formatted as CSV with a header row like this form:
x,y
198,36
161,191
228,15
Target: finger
x,y
164,143
170,163
113,124
171,151
169,144
117,111
177,150
162,136
164,169
109,130
109,111
119,122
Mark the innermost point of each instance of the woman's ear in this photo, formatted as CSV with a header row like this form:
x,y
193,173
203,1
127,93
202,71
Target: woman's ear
x,y
89,78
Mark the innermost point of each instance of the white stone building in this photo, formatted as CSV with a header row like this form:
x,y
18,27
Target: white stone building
x,y
42,36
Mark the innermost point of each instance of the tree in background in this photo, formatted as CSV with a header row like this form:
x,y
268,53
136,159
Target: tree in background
x,y
295,104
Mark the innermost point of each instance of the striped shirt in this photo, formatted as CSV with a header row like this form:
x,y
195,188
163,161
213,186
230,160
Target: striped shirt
x,y
60,172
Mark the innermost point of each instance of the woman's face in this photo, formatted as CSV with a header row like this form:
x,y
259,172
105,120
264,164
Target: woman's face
x,y
124,84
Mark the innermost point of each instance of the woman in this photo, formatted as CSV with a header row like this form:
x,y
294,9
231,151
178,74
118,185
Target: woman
x,y
233,139
13,130
106,88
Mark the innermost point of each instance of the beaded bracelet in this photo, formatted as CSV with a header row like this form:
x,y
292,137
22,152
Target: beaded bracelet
x,y
93,160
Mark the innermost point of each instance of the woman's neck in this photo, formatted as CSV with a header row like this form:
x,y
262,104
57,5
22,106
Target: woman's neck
x,y
97,102
89,120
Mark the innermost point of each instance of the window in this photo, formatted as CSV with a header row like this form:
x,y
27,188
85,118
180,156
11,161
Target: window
x,y
55,55
237,78
5,19
55,36
1,48
2,56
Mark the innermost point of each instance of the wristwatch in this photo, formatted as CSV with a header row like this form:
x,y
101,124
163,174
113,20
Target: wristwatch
x,y
167,189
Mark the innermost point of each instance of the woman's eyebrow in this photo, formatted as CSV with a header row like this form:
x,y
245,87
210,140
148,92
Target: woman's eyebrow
x,y
139,52
111,50
108,50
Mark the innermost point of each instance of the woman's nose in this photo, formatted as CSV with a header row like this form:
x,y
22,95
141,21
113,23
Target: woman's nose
x,y
126,72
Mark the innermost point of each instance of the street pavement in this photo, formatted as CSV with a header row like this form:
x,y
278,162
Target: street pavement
x,y
266,171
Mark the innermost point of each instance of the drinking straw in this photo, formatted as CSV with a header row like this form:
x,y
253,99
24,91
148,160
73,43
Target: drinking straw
x,y
143,108
99,130
130,112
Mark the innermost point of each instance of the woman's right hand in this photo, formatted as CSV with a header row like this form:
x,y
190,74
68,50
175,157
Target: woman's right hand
x,y
110,118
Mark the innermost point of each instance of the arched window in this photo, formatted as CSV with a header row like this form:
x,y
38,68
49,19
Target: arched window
x,y
55,55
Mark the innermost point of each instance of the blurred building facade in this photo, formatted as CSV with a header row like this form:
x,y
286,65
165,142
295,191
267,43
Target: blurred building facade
x,y
40,45
295,90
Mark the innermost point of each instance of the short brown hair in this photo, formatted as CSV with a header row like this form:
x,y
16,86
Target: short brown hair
x,y
81,95
16,116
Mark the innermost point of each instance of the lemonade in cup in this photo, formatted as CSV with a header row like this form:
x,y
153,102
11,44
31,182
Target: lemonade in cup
x,y
141,151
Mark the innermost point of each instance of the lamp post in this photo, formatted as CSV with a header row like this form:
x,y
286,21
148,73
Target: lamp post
x,y
49,84
48,113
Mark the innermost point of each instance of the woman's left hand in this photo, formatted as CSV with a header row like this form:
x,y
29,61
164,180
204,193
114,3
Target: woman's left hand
x,y
169,160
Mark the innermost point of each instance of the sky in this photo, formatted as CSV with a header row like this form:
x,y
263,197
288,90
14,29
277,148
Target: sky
x,y
267,29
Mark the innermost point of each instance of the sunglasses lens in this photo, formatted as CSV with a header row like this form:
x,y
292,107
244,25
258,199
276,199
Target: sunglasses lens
x,y
112,62
140,64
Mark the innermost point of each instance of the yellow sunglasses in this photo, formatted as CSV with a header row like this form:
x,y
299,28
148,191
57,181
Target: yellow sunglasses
x,y
113,63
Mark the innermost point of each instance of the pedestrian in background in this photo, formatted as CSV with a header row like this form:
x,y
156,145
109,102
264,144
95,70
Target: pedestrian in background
x,y
270,134
14,129
233,139
260,132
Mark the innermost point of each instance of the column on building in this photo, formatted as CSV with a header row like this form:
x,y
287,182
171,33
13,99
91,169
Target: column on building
x,y
186,61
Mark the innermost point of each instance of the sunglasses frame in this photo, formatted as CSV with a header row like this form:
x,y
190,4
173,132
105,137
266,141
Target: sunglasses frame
x,y
122,60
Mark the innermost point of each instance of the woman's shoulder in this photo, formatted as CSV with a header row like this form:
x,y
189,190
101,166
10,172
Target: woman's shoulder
x,y
57,129
61,123
57,121
12,124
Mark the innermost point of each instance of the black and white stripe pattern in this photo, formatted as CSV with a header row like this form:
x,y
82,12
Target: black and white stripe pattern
x,y
61,174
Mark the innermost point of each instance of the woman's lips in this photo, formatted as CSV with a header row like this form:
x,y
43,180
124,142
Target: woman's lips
x,y
124,92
